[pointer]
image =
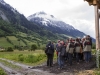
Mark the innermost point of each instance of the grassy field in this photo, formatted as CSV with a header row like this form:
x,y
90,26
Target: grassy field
x,y
4,42
12,41
15,41
26,57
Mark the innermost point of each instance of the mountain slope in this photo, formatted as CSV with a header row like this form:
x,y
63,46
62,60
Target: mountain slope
x,y
54,25
18,20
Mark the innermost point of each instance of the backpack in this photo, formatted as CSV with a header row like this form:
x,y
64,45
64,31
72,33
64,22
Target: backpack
x,y
48,49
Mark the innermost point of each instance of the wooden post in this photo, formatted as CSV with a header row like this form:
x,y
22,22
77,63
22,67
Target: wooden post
x,y
97,27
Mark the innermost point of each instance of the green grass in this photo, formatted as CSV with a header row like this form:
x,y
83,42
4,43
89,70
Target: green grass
x,y
15,41
27,57
97,72
29,42
2,72
4,42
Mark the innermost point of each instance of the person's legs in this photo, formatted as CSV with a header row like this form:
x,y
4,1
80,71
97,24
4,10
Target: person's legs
x,y
47,59
88,56
51,60
59,62
70,58
77,57
62,62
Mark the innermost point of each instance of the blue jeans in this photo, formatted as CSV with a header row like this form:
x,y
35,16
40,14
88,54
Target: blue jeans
x,y
61,61
77,57
87,56
70,57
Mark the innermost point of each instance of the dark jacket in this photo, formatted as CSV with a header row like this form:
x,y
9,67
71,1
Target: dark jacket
x,y
50,48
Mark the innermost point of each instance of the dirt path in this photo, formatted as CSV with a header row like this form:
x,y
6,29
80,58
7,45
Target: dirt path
x,y
27,70
44,70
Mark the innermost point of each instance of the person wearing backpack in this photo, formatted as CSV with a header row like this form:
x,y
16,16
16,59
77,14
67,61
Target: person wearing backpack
x,y
87,49
61,54
50,53
77,49
70,51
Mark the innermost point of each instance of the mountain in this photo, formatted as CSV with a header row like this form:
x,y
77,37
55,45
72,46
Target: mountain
x,y
16,30
18,22
54,25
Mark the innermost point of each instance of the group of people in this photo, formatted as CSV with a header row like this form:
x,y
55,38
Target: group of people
x,y
78,49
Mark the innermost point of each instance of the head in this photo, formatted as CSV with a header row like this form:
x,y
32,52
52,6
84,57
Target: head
x,y
76,39
83,39
58,41
62,42
49,42
87,38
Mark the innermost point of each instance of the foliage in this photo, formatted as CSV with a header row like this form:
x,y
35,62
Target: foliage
x,y
97,72
20,57
10,49
26,57
33,47
2,72
30,58
93,46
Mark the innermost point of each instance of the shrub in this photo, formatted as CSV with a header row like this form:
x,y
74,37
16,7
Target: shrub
x,y
20,57
33,47
10,49
30,59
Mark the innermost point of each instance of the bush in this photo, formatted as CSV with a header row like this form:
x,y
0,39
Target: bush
x,y
30,59
33,58
20,57
33,47
10,49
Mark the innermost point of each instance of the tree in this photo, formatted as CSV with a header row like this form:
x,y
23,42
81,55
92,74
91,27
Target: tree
x,y
33,47
10,49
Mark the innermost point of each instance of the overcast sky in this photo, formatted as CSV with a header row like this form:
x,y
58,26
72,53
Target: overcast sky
x,y
74,12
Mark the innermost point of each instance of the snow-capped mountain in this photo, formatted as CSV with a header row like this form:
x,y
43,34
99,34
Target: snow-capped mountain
x,y
55,25
47,20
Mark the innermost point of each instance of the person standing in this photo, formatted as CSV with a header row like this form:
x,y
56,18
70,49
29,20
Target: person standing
x,y
77,49
87,49
50,53
70,51
61,54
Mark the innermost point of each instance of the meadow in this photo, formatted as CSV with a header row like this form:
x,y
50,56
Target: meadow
x,y
27,57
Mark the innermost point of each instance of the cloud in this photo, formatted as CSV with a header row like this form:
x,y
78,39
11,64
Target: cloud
x,y
80,17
